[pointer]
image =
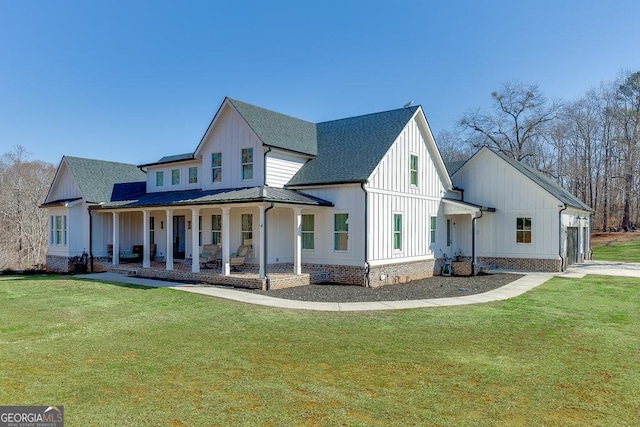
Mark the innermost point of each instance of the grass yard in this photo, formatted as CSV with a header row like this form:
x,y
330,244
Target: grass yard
x,y
564,354
623,247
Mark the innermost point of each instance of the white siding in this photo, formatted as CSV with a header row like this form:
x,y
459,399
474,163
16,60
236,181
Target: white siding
x,y
281,167
65,186
167,169
229,136
391,192
489,181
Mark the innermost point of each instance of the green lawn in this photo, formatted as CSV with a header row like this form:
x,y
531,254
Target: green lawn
x,y
618,251
566,353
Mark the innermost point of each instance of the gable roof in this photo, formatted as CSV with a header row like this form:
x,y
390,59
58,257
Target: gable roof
x,y
278,130
452,167
546,183
96,178
350,149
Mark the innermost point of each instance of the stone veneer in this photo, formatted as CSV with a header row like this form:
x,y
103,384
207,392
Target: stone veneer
x,y
58,264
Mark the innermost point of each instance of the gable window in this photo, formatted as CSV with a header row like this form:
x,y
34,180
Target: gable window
x,y
247,163
175,176
152,230
247,230
216,229
159,179
413,169
341,232
193,175
397,231
523,230
308,232
58,230
216,167
434,221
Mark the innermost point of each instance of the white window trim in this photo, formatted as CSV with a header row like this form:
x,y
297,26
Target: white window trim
x,y
411,155
179,176
333,232
302,233
189,175
159,173
242,165
433,231
393,232
213,168
525,216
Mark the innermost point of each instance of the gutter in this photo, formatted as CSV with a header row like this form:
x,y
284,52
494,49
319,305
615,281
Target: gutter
x,y
560,237
366,236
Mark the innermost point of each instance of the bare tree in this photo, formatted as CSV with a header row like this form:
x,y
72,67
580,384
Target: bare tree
x,y
23,226
452,147
517,126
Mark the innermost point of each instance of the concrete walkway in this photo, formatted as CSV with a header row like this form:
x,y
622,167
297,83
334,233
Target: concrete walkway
x,y
513,289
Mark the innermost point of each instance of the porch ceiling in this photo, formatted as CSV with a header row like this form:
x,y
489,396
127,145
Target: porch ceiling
x,y
224,196
458,207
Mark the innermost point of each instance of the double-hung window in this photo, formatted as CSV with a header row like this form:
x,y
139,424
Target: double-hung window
x,y
247,230
247,163
434,221
58,230
216,229
175,176
523,230
341,232
308,232
413,169
216,167
159,179
397,231
193,175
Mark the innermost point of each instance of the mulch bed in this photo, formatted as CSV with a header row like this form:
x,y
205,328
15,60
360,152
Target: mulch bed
x,y
433,287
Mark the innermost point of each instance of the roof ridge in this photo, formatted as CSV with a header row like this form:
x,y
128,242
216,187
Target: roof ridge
x,y
415,108
233,100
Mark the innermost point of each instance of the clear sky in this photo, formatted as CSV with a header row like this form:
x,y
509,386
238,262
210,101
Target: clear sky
x,y
133,81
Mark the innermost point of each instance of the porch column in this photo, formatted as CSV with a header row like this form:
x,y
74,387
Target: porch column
x,y
226,269
146,262
195,244
116,238
261,246
297,244
169,257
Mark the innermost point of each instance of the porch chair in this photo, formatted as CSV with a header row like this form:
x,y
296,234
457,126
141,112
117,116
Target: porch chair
x,y
237,259
209,255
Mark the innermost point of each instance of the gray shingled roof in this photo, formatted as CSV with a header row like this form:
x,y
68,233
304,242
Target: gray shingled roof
x,y
96,178
236,195
279,130
350,149
452,167
547,184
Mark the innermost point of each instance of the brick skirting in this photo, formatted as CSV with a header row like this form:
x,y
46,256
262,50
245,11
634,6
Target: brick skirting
x,y
526,264
401,272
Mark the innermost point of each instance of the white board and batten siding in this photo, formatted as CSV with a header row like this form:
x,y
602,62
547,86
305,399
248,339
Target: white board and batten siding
x,y
229,135
64,187
490,181
167,170
391,192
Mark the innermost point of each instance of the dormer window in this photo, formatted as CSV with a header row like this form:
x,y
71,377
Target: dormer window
x,y
175,177
193,175
247,163
159,179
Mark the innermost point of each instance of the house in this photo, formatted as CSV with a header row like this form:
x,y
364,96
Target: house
x,y
363,200
523,219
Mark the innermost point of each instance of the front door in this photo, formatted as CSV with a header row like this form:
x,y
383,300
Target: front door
x,y
179,237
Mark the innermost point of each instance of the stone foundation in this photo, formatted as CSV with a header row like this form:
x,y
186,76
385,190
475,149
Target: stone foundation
x,y
57,264
402,272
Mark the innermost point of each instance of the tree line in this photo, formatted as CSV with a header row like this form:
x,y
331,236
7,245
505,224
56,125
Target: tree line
x,y
590,146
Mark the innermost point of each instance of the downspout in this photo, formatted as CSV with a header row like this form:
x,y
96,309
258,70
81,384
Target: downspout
x,y
473,242
266,246
90,239
367,279
560,237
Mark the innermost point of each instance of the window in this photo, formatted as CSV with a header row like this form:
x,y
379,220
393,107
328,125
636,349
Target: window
x,y
175,177
216,229
413,169
58,230
449,232
247,230
434,221
308,229
216,167
341,232
159,179
247,163
193,175
397,231
152,230
200,230
523,230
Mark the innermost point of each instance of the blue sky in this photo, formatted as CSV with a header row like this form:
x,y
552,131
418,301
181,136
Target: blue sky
x,y
133,81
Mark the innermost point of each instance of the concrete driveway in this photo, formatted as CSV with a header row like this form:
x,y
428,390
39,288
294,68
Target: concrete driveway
x,y
607,268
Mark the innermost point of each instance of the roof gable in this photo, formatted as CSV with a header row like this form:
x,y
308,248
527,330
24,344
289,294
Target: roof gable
x,y
350,149
96,178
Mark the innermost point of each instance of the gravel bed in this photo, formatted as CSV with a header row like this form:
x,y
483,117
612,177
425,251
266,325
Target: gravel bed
x,y
433,287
